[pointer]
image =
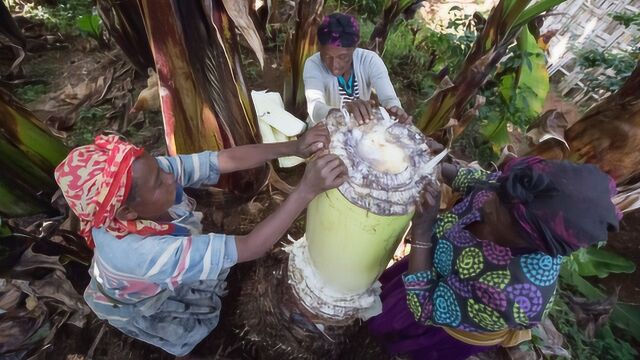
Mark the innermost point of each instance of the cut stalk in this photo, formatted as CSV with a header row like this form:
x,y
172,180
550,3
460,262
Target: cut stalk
x,y
355,229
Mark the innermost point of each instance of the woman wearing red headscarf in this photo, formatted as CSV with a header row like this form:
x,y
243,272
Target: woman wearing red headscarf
x,y
155,276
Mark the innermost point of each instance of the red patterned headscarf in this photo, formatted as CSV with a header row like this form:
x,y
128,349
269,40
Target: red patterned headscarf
x,y
95,180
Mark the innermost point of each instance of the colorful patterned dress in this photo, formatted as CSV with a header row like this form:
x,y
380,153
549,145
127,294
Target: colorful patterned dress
x,y
477,285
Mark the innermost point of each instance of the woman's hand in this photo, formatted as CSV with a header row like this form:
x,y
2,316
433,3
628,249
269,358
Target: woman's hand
x,y
428,206
313,140
434,146
361,110
400,115
421,256
325,171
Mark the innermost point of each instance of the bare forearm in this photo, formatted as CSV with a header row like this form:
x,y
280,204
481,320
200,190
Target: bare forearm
x,y
270,230
421,257
449,173
252,156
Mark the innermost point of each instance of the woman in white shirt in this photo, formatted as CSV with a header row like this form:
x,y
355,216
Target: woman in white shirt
x,y
342,76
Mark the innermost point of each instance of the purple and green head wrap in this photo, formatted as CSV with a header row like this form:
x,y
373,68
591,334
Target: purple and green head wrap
x,y
560,206
339,30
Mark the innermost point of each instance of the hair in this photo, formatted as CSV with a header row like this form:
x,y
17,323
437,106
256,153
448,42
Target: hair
x,y
132,197
341,30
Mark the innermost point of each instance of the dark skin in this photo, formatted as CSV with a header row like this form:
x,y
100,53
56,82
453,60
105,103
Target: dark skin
x,y
498,224
339,61
155,189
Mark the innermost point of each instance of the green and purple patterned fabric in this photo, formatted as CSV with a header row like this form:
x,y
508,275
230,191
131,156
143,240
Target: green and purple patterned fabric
x,y
477,285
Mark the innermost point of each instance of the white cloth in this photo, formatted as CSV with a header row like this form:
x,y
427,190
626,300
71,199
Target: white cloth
x,y
321,86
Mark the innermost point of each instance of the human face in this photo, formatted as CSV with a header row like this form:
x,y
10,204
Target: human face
x,y
154,189
338,60
499,226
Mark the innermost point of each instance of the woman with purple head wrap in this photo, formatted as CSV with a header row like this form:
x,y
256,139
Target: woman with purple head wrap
x,y
486,272
342,76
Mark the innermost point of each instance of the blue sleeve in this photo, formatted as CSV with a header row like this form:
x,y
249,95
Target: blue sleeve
x,y
192,170
167,260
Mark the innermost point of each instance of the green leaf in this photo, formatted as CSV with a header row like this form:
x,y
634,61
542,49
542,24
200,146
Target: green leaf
x,y
496,132
28,155
532,11
530,83
89,24
624,316
594,261
4,228
627,317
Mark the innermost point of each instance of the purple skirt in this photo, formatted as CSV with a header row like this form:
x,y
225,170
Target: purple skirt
x,y
400,333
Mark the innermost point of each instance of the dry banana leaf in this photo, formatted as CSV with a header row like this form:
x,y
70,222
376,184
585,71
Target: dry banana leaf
x,y
608,135
36,298
301,43
390,13
123,21
239,13
9,28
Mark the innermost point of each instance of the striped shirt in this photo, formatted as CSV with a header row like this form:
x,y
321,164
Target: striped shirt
x,y
345,98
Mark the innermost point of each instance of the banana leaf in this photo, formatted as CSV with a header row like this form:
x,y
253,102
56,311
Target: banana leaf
x,y
522,91
28,155
594,261
204,99
608,134
531,78
36,296
29,135
503,26
17,200
624,316
123,21
301,42
390,13
9,28
241,16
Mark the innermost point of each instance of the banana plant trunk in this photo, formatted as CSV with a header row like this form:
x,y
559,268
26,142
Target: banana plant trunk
x,y
329,280
204,100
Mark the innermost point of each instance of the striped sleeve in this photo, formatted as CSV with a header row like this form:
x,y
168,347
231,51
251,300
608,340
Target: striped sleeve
x,y
192,170
169,260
